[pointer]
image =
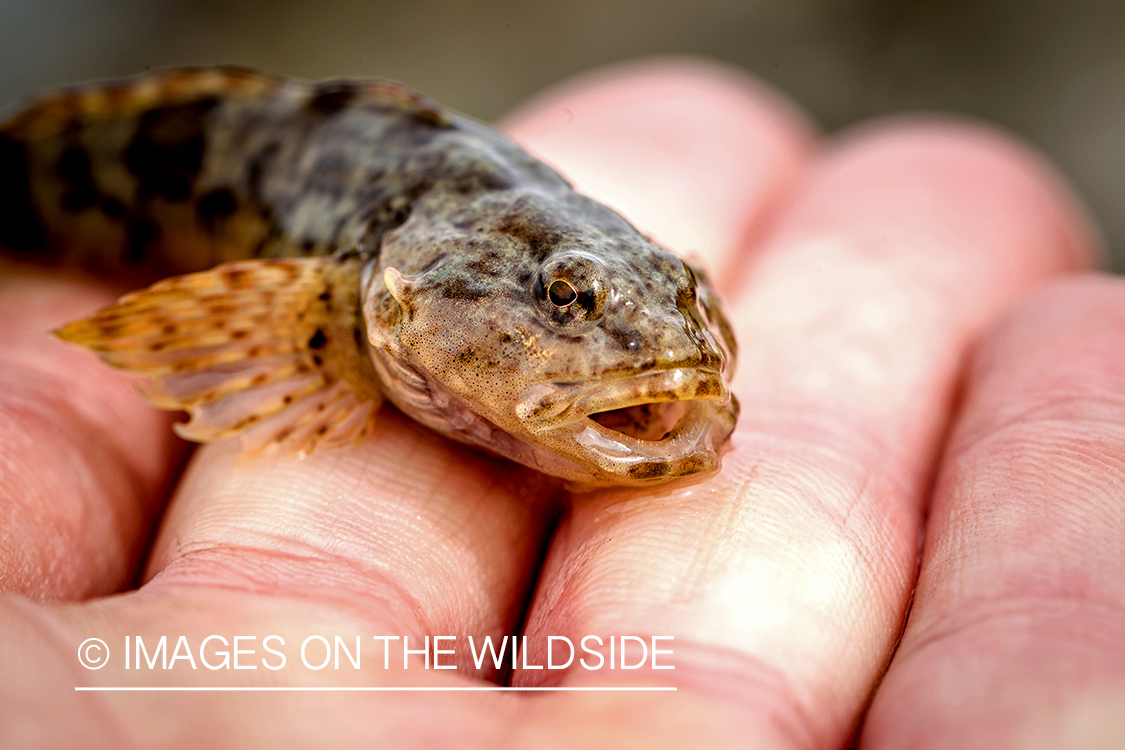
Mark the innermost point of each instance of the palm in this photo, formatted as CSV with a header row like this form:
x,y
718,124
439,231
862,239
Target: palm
x,y
784,580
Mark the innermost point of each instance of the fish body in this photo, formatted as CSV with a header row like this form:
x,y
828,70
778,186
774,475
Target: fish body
x,y
334,244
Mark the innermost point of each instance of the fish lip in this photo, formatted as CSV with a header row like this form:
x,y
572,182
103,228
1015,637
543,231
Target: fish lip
x,y
549,406
686,438
655,386
691,447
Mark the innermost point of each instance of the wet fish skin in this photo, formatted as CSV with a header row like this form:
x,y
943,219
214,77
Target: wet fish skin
x,y
365,243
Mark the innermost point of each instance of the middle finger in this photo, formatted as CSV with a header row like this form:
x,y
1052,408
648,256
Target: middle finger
x,y
784,579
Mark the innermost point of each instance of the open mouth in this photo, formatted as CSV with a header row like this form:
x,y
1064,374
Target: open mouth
x,y
650,422
628,430
657,417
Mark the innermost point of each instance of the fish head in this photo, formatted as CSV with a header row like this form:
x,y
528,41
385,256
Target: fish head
x,y
557,335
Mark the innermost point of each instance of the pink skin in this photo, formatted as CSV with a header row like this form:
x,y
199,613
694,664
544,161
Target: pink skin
x,y
864,273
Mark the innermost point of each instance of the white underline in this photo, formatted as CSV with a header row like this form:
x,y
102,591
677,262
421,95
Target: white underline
x,y
311,689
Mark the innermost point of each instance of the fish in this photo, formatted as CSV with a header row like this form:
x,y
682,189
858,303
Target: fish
x,y
313,249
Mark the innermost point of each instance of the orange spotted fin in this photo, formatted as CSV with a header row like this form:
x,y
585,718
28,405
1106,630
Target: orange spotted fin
x,y
272,349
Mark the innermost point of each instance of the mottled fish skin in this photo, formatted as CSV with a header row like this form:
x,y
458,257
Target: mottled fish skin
x,y
495,304
180,171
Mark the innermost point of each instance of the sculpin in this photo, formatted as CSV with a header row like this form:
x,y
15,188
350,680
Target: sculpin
x,y
349,241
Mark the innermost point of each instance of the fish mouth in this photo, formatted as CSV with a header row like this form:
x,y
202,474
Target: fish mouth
x,y
641,428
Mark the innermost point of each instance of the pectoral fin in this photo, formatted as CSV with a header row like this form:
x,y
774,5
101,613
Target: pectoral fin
x,y
270,348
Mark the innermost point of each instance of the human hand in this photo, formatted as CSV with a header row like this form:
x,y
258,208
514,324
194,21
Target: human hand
x,y
860,273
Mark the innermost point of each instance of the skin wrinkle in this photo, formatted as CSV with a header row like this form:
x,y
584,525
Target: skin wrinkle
x,y
1059,412
789,715
723,675
134,487
1017,669
1030,442
374,585
791,719
718,674
371,602
1055,514
463,529
979,613
1000,687
191,567
519,588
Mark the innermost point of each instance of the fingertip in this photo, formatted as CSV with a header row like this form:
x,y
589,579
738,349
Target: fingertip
x,y
695,153
993,185
688,80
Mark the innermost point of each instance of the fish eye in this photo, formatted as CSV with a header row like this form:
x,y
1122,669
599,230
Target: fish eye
x,y
571,288
561,293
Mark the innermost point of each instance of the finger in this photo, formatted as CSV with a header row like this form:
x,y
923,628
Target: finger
x,y
1015,638
785,578
86,463
421,536
696,155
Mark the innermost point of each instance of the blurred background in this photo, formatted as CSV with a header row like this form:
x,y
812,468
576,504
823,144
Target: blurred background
x,y
1053,71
